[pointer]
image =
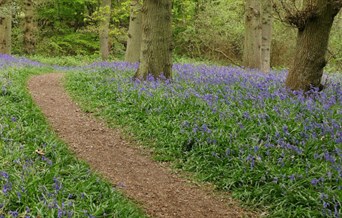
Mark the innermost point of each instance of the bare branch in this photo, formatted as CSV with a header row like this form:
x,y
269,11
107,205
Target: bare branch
x,y
296,15
302,17
226,56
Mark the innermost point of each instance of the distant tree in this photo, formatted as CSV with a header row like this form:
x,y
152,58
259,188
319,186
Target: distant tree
x,y
134,32
313,19
104,28
156,45
258,34
266,35
29,27
5,26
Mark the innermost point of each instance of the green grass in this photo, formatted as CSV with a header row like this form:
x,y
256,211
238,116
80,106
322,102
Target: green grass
x,y
76,60
54,185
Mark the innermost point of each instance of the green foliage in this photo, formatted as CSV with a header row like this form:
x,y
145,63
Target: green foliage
x,y
71,27
335,46
214,30
211,30
69,44
63,14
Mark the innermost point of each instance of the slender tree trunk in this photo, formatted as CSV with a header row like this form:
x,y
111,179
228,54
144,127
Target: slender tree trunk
x,y
156,47
29,27
104,28
5,26
266,37
312,43
253,32
134,33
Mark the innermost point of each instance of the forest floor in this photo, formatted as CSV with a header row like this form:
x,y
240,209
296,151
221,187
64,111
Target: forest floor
x,y
155,186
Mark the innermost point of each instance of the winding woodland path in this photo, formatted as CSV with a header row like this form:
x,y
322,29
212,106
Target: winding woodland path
x,y
155,187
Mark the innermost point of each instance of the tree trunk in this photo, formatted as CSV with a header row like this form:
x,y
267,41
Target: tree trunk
x,y
253,32
156,47
134,33
104,28
266,37
5,26
29,27
312,42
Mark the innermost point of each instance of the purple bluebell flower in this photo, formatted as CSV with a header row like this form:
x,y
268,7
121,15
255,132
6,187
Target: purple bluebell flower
x,y
7,188
14,214
4,174
328,157
19,195
214,154
60,213
314,182
57,184
205,128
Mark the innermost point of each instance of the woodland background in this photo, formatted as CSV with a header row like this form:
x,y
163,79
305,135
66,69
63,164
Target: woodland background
x,y
202,29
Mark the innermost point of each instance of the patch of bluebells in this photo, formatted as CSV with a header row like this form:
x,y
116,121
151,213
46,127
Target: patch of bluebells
x,y
25,178
243,126
12,61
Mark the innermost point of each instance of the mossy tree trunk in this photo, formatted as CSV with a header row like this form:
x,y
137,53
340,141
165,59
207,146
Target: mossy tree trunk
x,y
253,32
134,33
5,26
104,28
156,45
314,24
29,27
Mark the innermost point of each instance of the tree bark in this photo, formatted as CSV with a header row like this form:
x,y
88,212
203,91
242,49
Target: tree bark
x,y
104,28
156,47
266,37
134,33
312,42
29,27
5,26
253,32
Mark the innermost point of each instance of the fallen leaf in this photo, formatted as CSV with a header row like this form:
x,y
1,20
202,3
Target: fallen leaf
x,y
40,152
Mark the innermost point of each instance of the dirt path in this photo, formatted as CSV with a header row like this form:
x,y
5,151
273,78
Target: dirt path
x,y
160,192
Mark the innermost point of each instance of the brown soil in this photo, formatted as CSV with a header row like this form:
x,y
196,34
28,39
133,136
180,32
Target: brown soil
x,y
155,187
